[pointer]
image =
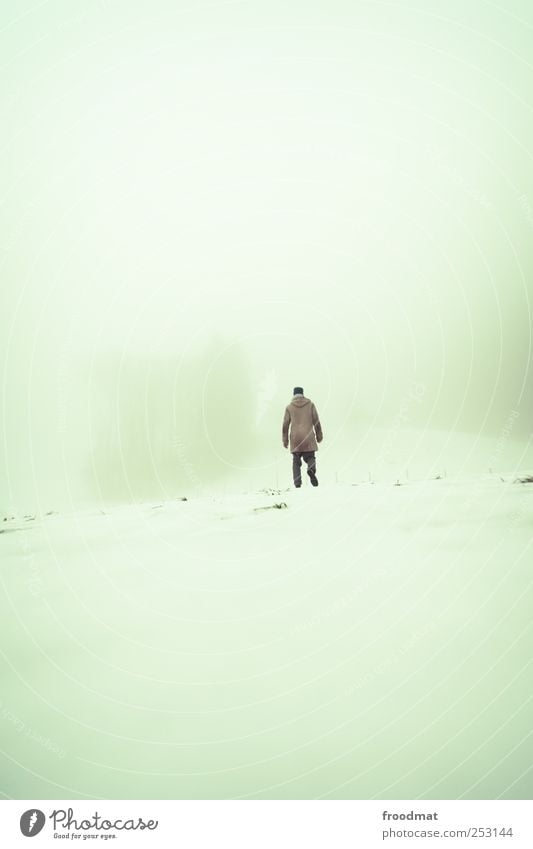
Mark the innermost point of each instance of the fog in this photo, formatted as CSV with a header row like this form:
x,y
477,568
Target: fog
x,y
205,206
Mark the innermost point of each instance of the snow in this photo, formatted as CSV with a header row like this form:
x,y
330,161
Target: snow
x,y
364,640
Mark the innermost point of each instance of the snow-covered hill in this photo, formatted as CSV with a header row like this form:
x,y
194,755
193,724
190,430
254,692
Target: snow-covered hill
x,y
365,640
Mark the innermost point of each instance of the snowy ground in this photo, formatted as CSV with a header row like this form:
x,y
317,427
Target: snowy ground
x,y
362,641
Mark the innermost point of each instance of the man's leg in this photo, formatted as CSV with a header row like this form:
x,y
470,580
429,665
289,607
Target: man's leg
x,y
297,468
310,459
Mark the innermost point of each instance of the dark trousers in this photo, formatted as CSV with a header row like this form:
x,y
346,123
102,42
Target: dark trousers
x,y
309,457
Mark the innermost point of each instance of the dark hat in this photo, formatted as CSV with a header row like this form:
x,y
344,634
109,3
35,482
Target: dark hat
x,y
297,390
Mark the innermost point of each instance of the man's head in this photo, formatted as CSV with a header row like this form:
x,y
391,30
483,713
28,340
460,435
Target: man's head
x,y
297,390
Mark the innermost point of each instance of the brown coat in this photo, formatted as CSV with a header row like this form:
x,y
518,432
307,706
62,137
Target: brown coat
x,y
302,418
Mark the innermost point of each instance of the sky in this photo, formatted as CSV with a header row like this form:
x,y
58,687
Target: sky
x,y
204,205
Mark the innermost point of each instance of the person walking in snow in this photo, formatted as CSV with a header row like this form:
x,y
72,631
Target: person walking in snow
x,y
302,419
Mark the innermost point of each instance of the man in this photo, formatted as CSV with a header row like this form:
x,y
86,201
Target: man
x,y
302,419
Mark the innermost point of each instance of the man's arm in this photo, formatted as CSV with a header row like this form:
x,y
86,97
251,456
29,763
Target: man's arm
x,y
285,428
316,424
